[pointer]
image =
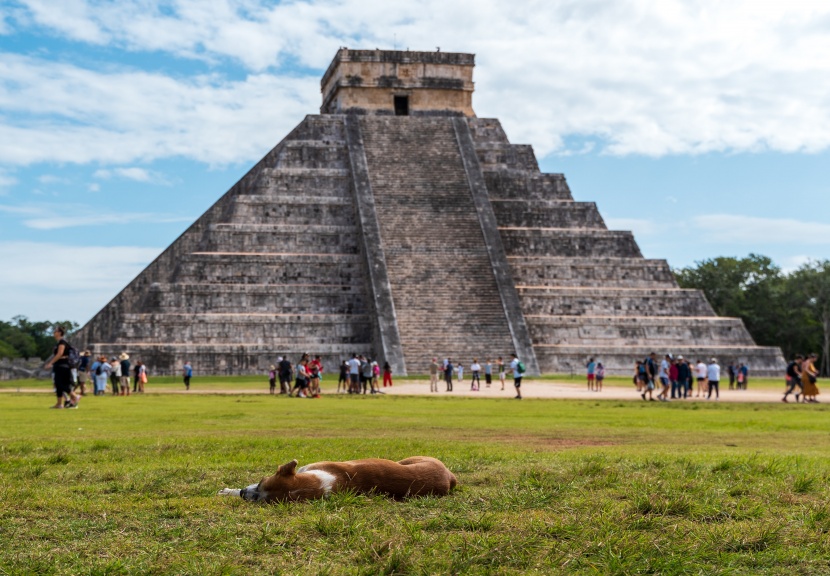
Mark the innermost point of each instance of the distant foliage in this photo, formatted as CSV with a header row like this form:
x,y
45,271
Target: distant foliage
x,y
790,310
22,338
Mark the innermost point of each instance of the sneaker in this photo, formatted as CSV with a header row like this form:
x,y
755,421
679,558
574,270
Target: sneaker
x,y
652,400
784,399
518,398
643,395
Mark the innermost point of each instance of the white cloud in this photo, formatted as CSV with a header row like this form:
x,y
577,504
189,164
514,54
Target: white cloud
x,y
752,230
129,173
637,77
46,280
6,181
54,217
51,179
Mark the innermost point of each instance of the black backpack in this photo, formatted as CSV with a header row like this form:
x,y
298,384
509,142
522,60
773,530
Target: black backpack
x,y
99,369
73,357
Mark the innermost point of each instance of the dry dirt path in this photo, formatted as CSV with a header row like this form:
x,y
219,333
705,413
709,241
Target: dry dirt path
x,y
530,389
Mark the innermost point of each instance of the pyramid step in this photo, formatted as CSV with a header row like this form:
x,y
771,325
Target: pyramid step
x,y
547,213
599,271
614,302
571,242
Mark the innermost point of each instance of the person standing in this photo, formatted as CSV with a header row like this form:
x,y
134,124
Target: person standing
x,y
793,376
809,378
650,365
187,374
700,374
62,370
115,375
731,372
141,376
124,361
285,370
488,372
272,379
743,376
448,370
674,378
387,375
475,368
713,376
301,383
343,378
684,377
518,372
460,373
433,375
600,376
663,375
100,374
316,369
591,366
502,373
83,371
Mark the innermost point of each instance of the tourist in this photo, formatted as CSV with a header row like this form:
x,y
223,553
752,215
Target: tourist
x,y
731,370
285,371
366,375
101,371
488,372
663,376
387,375
448,370
272,379
316,371
136,378
592,368
141,372
809,379
187,374
460,370
650,364
713,378
684,377
516,365
115,375
502,372
674,379
600,376
343,378
793,377
124,361
375,377
354,375
743,376
475,382
83,371
433,375
639,375
700,373
62,371
301,383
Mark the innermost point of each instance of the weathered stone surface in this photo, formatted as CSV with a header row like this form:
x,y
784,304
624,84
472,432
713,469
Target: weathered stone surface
x,y
407,237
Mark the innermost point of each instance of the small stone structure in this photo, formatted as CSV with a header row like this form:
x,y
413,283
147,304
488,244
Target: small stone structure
x,y
398,224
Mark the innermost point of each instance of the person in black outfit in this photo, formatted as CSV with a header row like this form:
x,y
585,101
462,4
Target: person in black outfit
x,y
285,369
448,374
62,371
793,377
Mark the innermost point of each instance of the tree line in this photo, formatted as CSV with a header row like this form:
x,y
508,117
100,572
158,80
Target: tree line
x,y
22,338
786,309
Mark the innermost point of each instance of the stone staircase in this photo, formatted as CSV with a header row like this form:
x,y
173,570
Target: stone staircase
x,y
273,268
586,290
445,294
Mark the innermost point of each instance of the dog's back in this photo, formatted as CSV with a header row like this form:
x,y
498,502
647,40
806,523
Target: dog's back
x,y
415,476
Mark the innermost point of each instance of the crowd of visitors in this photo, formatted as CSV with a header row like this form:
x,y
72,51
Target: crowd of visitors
x,y
674,378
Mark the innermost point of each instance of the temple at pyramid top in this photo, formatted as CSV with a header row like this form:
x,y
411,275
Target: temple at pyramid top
x,y
399,83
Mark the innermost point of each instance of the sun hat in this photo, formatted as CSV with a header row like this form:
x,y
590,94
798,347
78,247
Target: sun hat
x,y
124,356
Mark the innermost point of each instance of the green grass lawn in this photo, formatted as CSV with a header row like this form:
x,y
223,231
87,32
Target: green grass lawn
x,y
128,485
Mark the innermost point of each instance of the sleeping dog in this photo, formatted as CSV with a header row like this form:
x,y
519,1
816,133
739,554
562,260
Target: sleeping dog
x,y
415,476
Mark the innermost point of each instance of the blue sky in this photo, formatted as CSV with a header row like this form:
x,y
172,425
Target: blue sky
x,y
703,127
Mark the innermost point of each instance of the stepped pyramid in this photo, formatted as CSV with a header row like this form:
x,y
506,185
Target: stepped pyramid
x,y
397,224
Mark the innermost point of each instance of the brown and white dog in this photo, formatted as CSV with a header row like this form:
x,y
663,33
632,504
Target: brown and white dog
x,y
415,476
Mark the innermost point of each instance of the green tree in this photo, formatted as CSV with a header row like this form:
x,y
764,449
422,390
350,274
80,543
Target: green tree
x,y
813,282
29,339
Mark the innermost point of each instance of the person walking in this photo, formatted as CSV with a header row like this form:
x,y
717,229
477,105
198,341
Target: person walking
x,y
285,371
83,371
663,375
272,379
650,365
387,375
187,374
62,371
684,377
713,376
124,361
518,372
793,377
674,378
433,375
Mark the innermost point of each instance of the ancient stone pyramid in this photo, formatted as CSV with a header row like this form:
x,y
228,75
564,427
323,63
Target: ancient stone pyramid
x,y
399,225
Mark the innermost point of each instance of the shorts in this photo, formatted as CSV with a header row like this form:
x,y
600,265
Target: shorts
x,y
502,375
590,376
355,378
301,383
517,381
488,378
664,381
82,377
285,379
701,379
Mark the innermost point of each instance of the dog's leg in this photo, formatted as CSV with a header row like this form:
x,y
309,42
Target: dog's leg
x,y
229,492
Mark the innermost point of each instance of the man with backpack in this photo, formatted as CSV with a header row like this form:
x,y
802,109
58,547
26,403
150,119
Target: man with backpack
x,y
518,372
64,359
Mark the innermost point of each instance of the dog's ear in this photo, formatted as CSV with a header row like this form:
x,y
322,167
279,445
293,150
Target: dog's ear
x,y
287,469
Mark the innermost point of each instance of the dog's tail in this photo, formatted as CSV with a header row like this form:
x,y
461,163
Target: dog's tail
x,y
453,480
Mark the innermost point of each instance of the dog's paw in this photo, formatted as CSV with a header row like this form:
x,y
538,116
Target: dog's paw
x,y
229,492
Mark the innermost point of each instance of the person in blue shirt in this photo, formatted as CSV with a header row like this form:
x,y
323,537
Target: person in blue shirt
x,y
187,373
592,369
517,376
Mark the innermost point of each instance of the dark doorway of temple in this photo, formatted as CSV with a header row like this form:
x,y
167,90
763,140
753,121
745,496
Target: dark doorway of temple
x,y
401,105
